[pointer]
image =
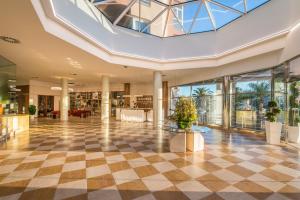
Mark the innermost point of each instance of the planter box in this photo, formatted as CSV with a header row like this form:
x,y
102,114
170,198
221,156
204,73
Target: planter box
x,y
177,142
294,134
194,141
273,132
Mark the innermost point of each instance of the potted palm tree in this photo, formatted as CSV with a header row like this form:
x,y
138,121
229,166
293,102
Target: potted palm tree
x,y
32,111
294,118
185,115
273,128
200,95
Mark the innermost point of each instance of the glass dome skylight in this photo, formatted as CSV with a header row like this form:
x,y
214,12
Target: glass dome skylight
x,y
165,18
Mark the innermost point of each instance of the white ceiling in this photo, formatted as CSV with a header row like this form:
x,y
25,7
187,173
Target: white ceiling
x,y
42,55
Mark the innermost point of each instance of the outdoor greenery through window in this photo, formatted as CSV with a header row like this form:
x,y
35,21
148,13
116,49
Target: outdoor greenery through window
x,y
208,97
250,94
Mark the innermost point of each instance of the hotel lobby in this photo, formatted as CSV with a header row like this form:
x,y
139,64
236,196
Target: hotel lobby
x,y
150,99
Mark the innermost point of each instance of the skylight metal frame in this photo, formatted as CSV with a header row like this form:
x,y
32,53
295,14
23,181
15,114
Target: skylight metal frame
x,y
211,17
124,12
170,6
196,15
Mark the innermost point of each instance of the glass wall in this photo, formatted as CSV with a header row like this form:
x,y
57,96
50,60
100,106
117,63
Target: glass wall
x,y
208,97
249,96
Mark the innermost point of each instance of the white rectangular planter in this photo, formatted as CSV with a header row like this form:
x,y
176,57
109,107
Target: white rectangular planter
x,y
177,142
273,132
194,141
294,134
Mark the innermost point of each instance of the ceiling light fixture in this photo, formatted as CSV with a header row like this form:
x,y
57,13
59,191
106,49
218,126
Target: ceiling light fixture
x,y
59,89
9,40
56,88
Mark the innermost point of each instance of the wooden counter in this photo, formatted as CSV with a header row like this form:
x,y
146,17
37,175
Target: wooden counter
x,y
16,122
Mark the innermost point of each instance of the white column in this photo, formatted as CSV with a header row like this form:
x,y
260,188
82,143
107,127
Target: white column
x,y
64,100
105,98
157,100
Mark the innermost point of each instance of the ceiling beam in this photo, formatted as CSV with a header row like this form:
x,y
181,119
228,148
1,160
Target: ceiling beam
x,y
165,27
226,7
124,12
211,17
178,21
195,17
245,6
102,2
154,19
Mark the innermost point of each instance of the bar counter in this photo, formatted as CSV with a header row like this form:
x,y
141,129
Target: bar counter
x,y
16,122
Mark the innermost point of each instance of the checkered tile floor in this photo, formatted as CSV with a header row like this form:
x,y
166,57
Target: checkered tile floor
x,y
84,159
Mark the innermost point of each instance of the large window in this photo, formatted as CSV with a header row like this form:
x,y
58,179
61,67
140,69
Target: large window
x,y
250,94
208,97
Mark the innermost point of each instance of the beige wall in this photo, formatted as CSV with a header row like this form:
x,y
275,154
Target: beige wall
x,y
255,63
43,88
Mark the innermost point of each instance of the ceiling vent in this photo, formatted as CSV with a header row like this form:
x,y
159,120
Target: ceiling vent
x,y
9,40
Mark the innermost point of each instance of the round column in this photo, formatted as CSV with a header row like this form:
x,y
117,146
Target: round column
x,y
105,99
157,100
64,100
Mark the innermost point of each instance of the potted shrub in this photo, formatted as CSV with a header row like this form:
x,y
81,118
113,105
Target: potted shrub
x,y
294,119
32,111
273,128
294,127
185,115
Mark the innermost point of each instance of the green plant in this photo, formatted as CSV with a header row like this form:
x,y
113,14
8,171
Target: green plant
x,y
32,109
185,113
199,95
297,120
294,105
273,112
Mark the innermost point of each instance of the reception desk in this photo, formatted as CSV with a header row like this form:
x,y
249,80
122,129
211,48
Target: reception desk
x,y
15,122
133,115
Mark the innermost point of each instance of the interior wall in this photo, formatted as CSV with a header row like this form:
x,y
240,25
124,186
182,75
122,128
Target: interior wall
x,y
292,47
251,64
89,22
43,88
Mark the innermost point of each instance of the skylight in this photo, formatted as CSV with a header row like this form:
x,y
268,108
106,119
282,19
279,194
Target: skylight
x,y
166,18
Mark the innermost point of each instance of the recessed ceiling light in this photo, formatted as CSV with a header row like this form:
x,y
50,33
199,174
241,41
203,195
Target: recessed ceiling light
x,y
9,40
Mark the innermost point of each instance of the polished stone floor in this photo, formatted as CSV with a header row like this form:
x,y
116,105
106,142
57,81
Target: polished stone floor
x,y
84,159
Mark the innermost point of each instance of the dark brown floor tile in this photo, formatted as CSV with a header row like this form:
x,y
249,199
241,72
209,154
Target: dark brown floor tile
x,y
144,171
132,190
171,193
49,170
100,182
114,167
72,176
13,187
41,194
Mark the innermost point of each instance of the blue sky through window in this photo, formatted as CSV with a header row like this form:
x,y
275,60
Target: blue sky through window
x,y
222,12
